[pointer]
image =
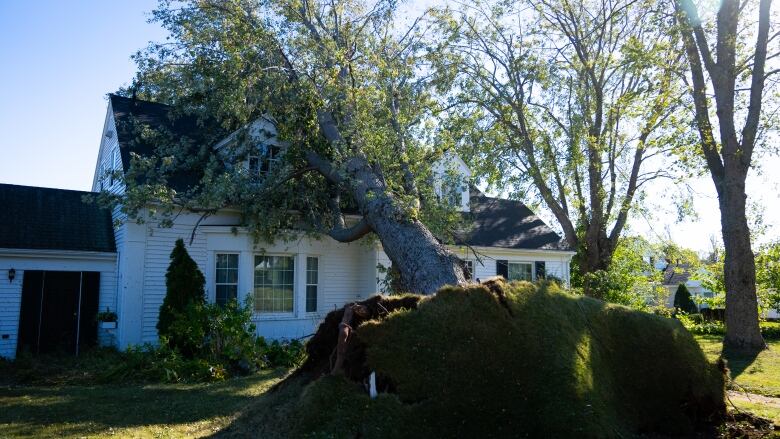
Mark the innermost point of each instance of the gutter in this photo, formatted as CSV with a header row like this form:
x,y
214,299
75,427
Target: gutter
x,y
57,254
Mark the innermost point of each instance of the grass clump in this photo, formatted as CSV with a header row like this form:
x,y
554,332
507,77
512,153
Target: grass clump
x,y
527,361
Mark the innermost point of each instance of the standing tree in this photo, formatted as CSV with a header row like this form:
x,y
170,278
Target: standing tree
x,y
683,300
184,285
341,87
737,76
565,102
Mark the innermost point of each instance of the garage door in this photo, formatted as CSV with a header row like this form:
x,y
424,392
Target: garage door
x,y
58,311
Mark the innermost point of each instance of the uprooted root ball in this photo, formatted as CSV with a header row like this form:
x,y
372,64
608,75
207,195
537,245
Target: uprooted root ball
x,y
504,360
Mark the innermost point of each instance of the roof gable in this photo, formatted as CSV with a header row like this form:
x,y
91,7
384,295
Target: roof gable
x,y
508,224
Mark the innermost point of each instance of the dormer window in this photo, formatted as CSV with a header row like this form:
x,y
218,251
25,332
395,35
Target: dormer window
x,y
450,180
265,161
452,193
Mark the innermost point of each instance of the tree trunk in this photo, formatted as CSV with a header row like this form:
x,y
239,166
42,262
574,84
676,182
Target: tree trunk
x,y
423,262
594,255
742,329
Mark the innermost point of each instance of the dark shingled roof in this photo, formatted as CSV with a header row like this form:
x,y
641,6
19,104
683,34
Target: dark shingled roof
x,y
675,274
508,224
131,113
53,219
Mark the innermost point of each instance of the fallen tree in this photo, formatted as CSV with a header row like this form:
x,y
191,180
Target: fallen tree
x,y
498,360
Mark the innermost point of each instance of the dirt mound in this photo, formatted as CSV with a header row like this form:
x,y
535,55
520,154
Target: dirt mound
x,y
321,349
504,361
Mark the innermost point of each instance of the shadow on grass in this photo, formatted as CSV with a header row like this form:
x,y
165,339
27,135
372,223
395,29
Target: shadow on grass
x,y
75,410
739,362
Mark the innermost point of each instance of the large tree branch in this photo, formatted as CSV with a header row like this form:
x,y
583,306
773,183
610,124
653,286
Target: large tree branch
x,y
708,143
756,85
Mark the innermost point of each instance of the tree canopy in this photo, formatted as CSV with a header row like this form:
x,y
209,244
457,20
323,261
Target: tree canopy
x,y
569,104
340,85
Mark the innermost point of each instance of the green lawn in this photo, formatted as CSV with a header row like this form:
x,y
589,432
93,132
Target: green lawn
x,y
69,406
759,375
159,410
751,375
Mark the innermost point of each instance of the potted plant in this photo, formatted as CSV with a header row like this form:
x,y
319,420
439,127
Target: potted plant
x,y
107,319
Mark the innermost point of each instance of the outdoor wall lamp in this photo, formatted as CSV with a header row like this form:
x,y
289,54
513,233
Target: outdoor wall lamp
x,y
11,275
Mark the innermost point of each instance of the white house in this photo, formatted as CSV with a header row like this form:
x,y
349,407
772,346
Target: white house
x,y
71,258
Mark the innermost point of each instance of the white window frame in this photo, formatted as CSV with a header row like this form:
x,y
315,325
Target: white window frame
x,y
469,265
262,158
237,283
316,284
531,264
273,314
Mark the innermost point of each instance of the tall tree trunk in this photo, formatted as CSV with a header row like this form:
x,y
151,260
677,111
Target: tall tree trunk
x,y
422,261
742,329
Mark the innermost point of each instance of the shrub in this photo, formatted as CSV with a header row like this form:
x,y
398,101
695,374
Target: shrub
x,y
184,286
161,364
696,324
612,287
221,343
220,335
683,300
281,354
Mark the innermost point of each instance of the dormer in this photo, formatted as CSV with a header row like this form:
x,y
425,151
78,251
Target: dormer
x,y
451,180
257,143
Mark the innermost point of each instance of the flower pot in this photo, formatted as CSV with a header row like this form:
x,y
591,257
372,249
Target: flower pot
x,y
108,325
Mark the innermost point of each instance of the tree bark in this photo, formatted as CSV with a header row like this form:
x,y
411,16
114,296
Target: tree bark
x,y
742,329
729,164
423,262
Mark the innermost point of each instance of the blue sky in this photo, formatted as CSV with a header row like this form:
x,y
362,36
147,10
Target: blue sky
x,y
60,58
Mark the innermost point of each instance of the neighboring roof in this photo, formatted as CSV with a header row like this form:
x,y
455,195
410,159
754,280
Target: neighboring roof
x,y
508,224
675,274
53,219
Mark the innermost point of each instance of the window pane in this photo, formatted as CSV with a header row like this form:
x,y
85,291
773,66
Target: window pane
x,y
274,283
232,261
226,293
519,271
221,275
232,275
311,298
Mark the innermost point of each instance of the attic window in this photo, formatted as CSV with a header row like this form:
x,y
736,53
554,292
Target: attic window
x,y
451,193
264,162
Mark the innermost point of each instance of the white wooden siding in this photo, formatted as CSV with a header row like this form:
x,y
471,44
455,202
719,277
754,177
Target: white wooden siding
x,y
21,260
159,244
109,157
10,303
556,262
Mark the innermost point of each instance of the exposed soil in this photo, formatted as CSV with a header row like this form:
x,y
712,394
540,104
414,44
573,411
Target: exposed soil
x,y
321,349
